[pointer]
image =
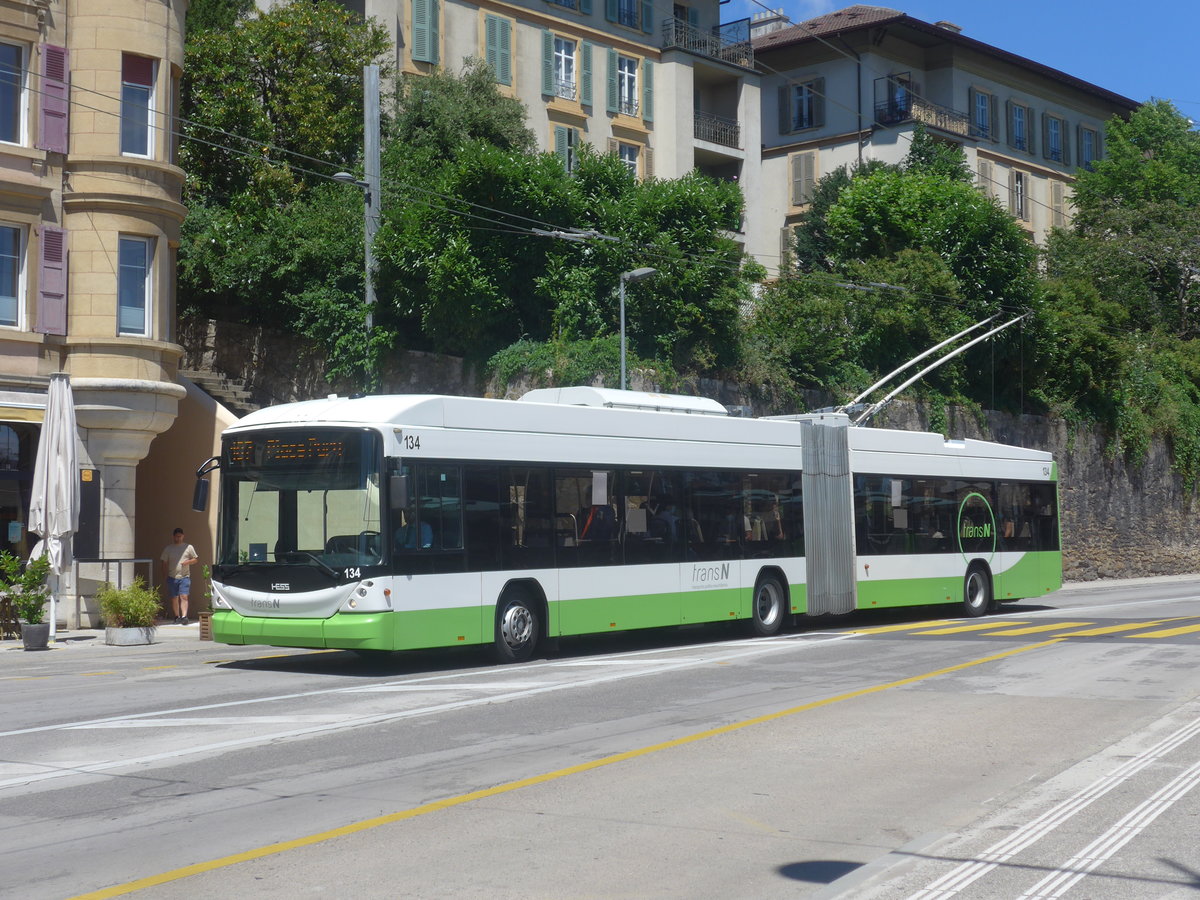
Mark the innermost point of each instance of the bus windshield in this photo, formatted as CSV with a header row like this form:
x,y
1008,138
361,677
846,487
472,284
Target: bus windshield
x,y
301,496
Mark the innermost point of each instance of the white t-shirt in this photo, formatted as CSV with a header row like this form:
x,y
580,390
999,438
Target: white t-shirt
x,y
174,555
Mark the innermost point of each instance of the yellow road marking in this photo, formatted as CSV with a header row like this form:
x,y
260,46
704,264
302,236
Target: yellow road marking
x,y
1117,629
1166,632
1034,629
449,802
885,628
958,629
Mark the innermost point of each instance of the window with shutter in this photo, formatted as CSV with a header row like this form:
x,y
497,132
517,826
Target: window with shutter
x,y
52,281
137,104
612,89
11,257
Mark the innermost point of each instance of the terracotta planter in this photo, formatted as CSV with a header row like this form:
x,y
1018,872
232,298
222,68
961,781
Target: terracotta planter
x,y
35,637
128,637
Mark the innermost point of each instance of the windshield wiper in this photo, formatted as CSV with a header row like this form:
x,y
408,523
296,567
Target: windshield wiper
x,y
321,564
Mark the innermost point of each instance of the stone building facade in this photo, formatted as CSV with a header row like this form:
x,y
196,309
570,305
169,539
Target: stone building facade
x,y
90,214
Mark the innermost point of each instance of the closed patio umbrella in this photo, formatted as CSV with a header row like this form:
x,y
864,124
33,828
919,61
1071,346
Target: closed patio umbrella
x,y
54,506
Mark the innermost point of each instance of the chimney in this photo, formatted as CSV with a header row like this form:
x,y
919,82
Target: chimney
x,y
949,26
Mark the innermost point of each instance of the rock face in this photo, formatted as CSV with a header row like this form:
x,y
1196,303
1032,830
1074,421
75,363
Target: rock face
x,y
1117,521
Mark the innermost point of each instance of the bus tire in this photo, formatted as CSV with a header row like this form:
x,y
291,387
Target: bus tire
x,y
977,591
768,607
517,626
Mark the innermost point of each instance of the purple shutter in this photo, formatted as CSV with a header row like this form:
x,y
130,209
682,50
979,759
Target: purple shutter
x,y
52,130
52,281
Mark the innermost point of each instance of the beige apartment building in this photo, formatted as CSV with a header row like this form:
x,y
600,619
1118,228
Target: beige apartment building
x,y
851,85
662,84
89,225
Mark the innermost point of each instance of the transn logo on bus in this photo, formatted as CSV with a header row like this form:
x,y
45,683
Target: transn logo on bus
x,y
708,575
285,586
269,603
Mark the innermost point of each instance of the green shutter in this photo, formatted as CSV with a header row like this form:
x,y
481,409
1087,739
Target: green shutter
x,y
647,91
785,109
547,63
648,16
585,75
491,44
610,10
585,7
973,127
1030,131
505,51
1066,142
693,17
420,30
818,88
613,99
560,144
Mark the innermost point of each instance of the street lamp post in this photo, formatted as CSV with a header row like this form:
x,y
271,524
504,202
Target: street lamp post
x,y
632,276
370,188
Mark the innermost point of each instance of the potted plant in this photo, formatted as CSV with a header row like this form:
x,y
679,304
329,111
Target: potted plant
x,y
128,613
26,591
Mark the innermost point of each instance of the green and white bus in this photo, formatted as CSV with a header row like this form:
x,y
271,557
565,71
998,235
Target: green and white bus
x,y
387,523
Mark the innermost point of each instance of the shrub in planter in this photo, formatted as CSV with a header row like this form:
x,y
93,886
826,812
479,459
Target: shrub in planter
x,y
26,590
135,606
24,587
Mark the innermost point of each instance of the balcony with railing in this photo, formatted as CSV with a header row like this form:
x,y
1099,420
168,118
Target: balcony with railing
x,y
911,108
564,88
717,130
729,43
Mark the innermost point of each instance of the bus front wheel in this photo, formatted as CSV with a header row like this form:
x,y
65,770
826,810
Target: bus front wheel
x,y
769,607
516,627
977,591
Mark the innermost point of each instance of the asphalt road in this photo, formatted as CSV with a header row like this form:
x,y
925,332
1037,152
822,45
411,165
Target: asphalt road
x,y
1047,751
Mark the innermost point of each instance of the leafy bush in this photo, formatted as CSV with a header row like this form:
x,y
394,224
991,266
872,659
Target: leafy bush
x,y
135,606
26,589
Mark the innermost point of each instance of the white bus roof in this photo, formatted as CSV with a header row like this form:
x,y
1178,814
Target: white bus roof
x,y
557,413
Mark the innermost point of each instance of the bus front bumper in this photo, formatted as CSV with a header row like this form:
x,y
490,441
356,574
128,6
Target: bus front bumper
x,y
341,631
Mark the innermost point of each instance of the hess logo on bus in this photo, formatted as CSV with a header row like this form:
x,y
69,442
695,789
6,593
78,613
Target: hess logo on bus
x,y
282,586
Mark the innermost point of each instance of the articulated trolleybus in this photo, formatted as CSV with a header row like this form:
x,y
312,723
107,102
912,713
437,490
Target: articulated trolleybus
x,y
400,522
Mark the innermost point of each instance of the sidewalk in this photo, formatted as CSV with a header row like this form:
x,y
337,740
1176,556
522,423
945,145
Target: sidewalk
x,y
166,632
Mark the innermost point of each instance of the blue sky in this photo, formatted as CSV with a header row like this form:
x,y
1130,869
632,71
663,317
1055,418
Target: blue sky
x,y
1140,50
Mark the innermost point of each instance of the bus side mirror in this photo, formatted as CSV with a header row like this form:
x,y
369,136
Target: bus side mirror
x,y
200,495
200,492
398,491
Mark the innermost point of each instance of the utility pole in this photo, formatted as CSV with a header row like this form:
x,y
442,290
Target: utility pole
x,y
371,176
370,188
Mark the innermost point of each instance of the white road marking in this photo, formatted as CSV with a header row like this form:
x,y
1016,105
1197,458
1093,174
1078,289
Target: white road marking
x,y
1077,867
103,766
1027,835
214,720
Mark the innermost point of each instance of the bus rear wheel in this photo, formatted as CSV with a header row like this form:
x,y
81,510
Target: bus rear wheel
x,y
769,607
516,627
977,592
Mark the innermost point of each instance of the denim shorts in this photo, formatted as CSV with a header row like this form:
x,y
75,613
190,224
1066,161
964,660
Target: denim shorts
x,y
177,586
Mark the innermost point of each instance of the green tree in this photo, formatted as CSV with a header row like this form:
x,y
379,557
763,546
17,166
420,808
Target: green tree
x,y
471,277
205,15
881,214
1151,157
289,79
